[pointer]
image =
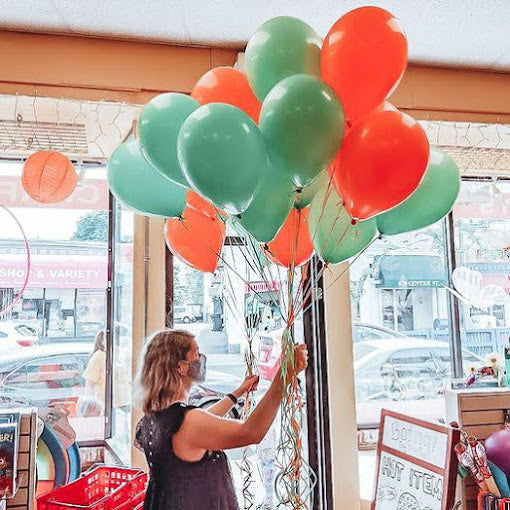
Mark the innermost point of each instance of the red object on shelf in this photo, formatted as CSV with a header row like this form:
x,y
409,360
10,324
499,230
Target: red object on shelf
x,y
103,488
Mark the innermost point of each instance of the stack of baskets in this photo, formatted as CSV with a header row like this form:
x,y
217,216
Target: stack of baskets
x,y
102,488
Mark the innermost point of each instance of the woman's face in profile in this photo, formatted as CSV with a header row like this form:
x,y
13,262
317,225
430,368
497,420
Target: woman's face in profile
x,y
194,352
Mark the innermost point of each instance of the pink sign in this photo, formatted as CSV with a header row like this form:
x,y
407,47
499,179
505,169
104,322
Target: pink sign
x,y
490,210
261,287
54,271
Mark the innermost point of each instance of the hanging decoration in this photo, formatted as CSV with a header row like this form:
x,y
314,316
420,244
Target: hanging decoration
x,y
18,298
48,177
302,155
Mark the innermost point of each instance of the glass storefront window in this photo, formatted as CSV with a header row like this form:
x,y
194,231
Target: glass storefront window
x,y
216,308
482,238
47,338
401,340
121,333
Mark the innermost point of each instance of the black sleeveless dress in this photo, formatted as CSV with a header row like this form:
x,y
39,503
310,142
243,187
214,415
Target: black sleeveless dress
x,y
175,484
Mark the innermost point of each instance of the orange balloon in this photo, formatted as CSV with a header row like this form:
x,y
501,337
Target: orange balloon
x,y
195,201
227,85
292,246
196,239
381,162
363,58
48,177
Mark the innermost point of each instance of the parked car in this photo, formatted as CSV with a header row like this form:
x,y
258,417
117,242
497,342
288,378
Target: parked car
x,y
52,374
184,314
404,369
14,335
267,345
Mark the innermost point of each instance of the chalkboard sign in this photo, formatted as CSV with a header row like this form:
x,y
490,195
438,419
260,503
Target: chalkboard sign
x,y
416,464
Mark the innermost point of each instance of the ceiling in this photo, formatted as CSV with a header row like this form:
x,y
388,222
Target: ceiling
x,y
465,33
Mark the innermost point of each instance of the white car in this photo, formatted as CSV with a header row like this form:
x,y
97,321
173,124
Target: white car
x,y
14,335
403,374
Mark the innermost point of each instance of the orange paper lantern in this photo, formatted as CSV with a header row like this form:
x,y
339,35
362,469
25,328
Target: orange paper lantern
x,y
48,177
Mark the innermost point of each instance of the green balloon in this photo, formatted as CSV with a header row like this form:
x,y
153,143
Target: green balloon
x,y
281,47
302,122
311,189
137,184
223,156
269,208
332,231
158,129
432,200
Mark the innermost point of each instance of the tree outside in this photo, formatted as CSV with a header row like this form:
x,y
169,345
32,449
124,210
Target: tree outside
x,y
93,226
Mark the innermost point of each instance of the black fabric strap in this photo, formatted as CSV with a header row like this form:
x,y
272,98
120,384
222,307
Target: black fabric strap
x,y
232,397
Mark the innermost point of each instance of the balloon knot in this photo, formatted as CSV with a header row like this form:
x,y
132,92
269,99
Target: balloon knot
x,y
354,222
349,123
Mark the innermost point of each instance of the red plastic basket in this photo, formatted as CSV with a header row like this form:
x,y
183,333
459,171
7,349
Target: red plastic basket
x,y
103,488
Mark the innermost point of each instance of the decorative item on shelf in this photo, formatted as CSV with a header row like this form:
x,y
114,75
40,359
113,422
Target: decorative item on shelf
x,y
17,457
9,444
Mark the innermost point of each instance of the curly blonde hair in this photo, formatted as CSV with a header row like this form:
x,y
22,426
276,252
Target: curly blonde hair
x,y
158,378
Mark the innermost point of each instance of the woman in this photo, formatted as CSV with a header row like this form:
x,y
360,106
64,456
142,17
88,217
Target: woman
x,y
183,444
93,403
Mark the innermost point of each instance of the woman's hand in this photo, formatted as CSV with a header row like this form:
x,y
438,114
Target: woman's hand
x,y
250,383
300,361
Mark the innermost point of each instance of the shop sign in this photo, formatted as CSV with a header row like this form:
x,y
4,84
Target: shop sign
x,y
92,194
261,287
415,284
54,272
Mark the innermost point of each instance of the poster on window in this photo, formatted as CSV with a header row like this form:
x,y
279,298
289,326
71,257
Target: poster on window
x,y
416,466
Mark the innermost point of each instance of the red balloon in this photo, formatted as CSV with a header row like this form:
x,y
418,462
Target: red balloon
x,y
227,85
363,58
196,239
292,246
381,162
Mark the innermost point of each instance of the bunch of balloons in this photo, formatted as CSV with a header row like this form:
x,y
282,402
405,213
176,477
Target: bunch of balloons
x,y
303,152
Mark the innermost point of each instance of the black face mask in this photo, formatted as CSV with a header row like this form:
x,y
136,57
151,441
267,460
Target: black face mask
x,y
197,369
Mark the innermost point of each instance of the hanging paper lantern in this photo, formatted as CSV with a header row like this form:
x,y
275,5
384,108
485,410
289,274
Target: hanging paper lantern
x,y
48,177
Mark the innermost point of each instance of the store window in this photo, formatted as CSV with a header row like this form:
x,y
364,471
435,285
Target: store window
x,y
400,325
482,274
50,338
216,308
121,332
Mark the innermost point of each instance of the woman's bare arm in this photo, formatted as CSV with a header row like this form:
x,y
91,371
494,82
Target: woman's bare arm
x,y
203,431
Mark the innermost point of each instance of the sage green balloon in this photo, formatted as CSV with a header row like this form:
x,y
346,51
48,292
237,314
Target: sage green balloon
x,y
138,185
302,122
432,200
158,129
334,236
222,155
281,47
269,208
311,189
